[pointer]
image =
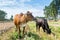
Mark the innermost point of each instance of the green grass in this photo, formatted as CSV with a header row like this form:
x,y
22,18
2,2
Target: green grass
x,y
32,35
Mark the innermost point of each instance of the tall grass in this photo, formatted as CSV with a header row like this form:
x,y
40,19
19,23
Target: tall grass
x,y
33,35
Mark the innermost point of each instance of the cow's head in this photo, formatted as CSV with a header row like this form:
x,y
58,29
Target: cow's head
x,y
49,31
29,16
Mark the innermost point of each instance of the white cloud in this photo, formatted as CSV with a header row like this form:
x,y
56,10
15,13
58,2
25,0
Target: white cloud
x,y
22,1
13,11
7,2
18,7
12,2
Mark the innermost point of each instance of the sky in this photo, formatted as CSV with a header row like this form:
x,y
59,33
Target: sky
x,y
12,7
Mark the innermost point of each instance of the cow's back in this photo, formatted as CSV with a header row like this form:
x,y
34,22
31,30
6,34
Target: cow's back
x,y
19,19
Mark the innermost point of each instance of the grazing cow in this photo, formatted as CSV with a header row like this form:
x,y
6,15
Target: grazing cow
x,y
42,23
22,19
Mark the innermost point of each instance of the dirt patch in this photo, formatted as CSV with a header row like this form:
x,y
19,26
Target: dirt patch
x,y
5,26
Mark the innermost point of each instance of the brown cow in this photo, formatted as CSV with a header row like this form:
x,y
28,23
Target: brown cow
x,y
21,18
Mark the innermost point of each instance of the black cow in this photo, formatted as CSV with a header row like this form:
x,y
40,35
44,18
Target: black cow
x,y
42,23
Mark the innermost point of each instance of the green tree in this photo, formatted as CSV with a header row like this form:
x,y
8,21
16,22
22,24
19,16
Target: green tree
x,y
2,15
46,11
11,17
51,11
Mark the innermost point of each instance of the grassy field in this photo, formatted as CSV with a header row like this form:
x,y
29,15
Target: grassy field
x,y
33,35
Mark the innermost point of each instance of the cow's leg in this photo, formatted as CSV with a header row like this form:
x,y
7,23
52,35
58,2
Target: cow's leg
x,y
18,29
36,27
43,26
39,27
23,30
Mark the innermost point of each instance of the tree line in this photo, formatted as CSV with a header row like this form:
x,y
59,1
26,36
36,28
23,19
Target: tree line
x,y
3,16
51,11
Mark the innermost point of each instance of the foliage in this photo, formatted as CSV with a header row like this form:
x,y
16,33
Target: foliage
x,y
11,17
51,11
2,15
